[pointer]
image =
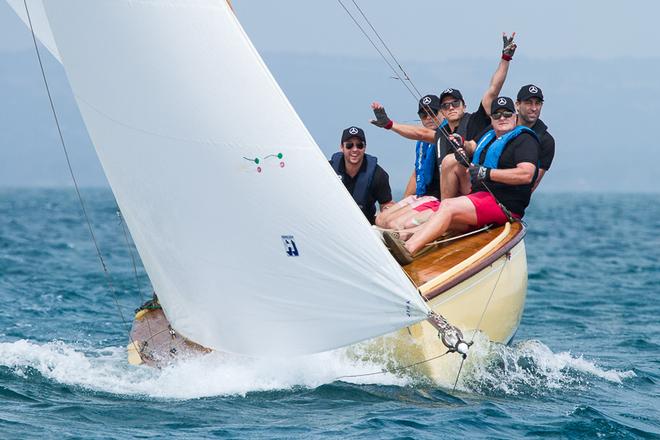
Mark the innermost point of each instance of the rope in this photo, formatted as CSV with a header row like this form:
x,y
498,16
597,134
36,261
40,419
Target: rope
x,y
393,370
73,177
397,76
490,297
143,302
483,313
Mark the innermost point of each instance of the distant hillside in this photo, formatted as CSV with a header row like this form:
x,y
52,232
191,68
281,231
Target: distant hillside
x,y
597,111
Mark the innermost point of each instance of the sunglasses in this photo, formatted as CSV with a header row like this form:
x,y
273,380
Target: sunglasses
x,y
450,104
505,115
429,114
350,145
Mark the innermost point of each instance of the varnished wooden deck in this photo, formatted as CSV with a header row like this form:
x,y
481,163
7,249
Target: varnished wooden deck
x,y
425,270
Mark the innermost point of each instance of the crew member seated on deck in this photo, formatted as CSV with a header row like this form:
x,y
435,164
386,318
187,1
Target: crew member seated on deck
x,y
424,183
367,182
502,172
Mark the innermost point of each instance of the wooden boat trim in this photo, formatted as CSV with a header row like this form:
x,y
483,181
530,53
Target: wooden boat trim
x,y
461,272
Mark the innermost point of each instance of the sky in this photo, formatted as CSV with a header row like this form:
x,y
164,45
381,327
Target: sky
x,y
597,63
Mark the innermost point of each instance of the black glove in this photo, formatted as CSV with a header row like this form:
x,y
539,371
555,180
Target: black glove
x,y
509,47
479,174
461,157
382,120
457,140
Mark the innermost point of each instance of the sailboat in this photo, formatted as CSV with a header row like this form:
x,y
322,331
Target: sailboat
x,y
252,244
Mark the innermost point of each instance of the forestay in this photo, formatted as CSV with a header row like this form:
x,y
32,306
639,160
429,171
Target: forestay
x,y
250,240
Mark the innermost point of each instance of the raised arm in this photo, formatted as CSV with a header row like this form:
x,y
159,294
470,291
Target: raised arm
x,y
414,132
497,81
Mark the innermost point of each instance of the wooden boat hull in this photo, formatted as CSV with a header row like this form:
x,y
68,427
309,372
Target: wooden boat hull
x,y
497,291
477,282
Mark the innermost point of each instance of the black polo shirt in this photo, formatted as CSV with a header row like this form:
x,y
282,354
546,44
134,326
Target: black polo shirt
x,y
547,147
476,124
379,191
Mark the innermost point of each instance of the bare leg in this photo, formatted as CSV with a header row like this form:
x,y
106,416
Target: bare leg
x,y
393,220
455,212
411,218
455,180
383,219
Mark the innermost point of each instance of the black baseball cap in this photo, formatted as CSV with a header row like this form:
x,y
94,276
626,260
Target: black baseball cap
x,y
530,91
353,132
502,102
451,92
429,102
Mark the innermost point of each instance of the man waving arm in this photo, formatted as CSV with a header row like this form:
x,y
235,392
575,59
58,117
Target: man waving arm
x,y
414,132
497,81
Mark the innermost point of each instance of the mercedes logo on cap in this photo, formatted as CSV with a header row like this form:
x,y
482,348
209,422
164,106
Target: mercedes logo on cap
x,y
533,89
353,130
426,100
501,101
448,91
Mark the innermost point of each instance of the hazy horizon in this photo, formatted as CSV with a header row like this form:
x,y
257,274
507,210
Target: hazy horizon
x,y
331,74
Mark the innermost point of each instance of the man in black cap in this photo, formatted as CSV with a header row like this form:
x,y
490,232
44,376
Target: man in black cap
x,y
424,183
529,104
367,182
502,171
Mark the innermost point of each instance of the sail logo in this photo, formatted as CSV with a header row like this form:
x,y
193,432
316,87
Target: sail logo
x,y
290,246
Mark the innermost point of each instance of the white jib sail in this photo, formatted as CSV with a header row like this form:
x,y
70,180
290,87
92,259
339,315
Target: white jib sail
x,y
39,22
250,240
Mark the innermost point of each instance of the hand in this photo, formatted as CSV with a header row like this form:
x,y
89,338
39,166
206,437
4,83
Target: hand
x,y
457,140
509,47
461,157
478,174
382,120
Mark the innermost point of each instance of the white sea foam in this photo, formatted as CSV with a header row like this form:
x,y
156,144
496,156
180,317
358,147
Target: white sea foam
x,y
214,374
528,367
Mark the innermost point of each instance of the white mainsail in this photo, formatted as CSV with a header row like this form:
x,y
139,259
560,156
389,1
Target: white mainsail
x,y
250,240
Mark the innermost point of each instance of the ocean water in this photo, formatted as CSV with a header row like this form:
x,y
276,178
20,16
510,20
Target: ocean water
x,y
585,362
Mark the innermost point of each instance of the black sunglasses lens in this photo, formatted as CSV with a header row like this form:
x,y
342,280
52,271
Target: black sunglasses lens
x,y
350,145
505,115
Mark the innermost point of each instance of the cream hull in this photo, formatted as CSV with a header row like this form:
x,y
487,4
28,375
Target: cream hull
x,y
497,292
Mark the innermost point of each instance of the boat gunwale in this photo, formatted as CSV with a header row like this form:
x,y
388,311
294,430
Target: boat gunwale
x,y
478,266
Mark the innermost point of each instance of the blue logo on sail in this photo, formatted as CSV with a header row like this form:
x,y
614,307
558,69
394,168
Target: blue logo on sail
x,y
290,246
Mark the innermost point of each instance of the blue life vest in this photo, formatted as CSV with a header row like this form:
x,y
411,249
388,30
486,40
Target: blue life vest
x,y
426,160
363,183
425,163
495,150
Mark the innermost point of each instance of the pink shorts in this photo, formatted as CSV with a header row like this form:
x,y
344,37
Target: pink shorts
x,y
488,211
433,205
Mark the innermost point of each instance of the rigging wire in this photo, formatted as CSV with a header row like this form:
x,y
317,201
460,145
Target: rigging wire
x,y
483,313
135,271
397,75
73,178
405,74
393,370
